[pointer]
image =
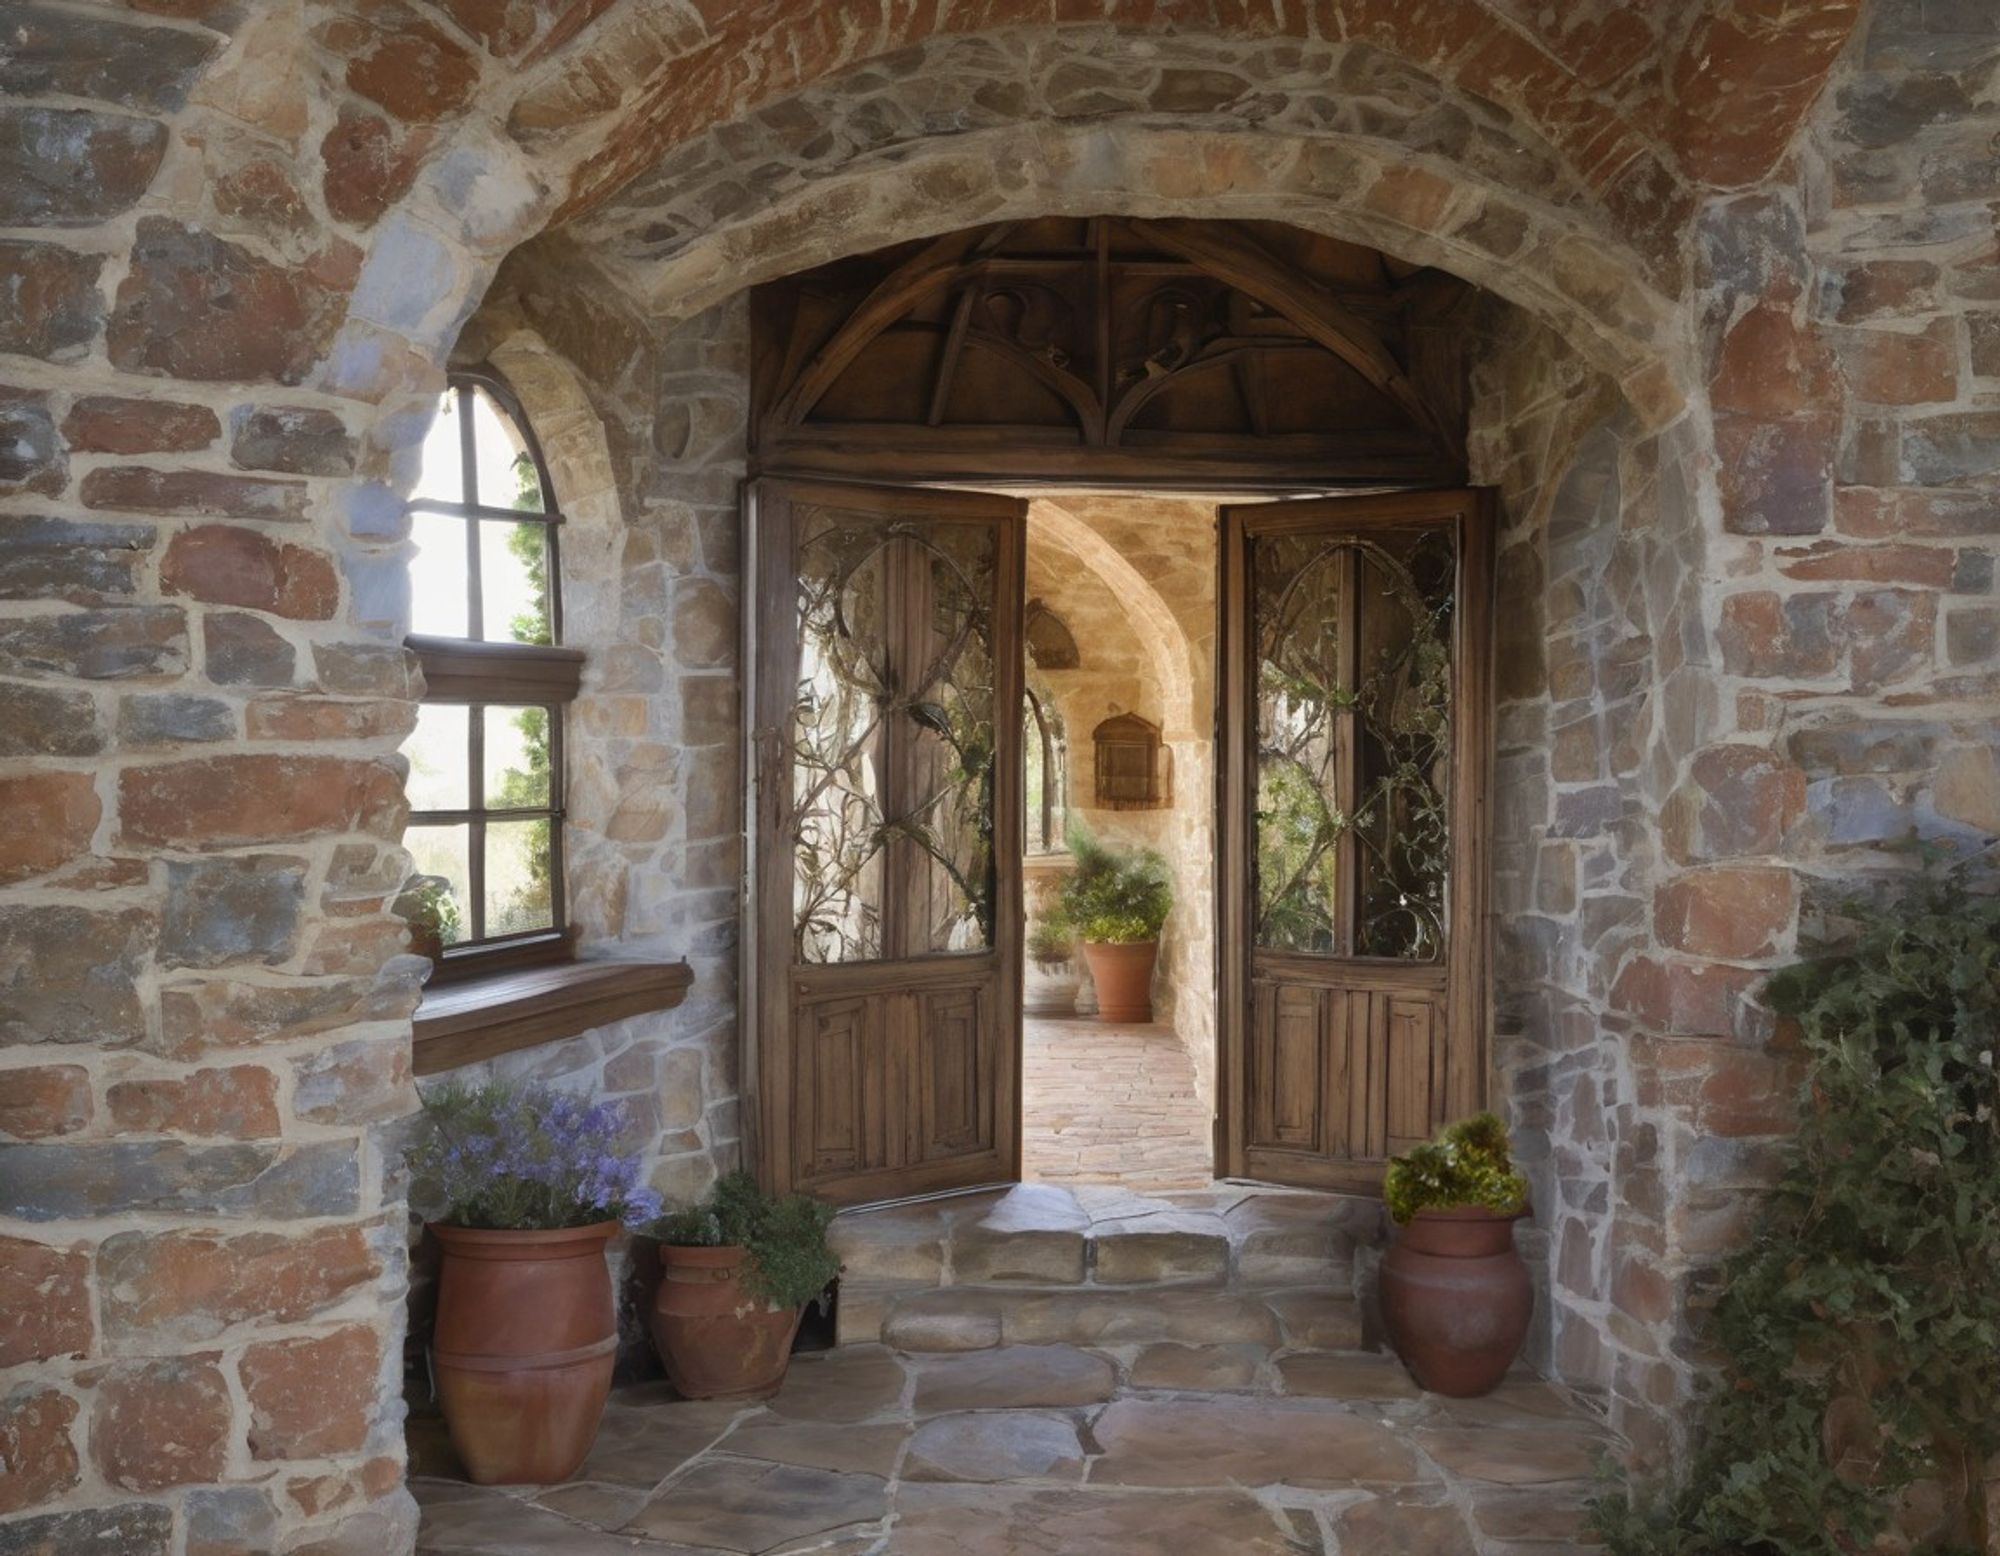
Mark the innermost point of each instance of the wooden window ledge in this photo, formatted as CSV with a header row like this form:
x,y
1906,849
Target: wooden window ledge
x,y
478,1018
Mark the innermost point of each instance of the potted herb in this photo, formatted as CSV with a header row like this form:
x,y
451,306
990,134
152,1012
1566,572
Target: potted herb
x,y
530,1186
737,1272
1456,1298
431,911
1049,989
1117,899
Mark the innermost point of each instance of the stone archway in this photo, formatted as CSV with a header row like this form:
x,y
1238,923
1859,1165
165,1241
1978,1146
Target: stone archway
x,y
194,287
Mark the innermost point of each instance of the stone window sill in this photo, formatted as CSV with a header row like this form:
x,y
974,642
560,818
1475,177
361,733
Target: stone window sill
x,y
479,1018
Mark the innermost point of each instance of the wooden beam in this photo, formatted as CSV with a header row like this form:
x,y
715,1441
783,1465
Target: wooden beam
x,y
928,271
1249,268
954,342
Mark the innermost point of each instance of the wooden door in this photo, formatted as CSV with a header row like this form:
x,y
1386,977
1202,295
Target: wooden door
x,y
1354,695
881,989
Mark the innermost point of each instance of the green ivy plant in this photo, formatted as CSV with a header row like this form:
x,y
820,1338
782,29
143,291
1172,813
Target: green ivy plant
x,y
1115,896
1859,1332
1470,1165
790,1263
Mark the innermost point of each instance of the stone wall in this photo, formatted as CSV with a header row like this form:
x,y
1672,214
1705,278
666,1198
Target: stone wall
x,y
236,246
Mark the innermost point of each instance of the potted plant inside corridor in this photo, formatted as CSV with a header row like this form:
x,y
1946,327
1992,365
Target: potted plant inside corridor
x,y
531,1187
1456,1297
736,1274
1049,987
1117,900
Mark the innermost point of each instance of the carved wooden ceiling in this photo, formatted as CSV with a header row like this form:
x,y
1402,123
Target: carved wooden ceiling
x,y
1118,351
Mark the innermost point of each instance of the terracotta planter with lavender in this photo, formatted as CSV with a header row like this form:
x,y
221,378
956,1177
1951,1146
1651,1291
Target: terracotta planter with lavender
x,y
1456,1299
522,1353
716,1339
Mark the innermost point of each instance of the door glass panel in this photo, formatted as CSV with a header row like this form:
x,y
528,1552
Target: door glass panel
x,y
948,814
1402,715
1353,639
1298,592
838,732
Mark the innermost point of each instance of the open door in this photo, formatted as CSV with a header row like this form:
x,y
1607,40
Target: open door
x,y
1354,696
881,967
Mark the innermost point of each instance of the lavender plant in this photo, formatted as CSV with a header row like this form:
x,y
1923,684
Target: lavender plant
x,y
523,1156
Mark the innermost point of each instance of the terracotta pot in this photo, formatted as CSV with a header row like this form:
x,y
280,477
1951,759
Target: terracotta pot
x,y
523,1348
1456,1299
716,1339
1124,978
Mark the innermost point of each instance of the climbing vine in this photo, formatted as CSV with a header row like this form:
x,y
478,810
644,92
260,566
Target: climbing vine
x,y
1859,1333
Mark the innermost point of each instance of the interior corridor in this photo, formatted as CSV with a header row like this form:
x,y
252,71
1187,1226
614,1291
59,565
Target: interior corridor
x,y
1111,1105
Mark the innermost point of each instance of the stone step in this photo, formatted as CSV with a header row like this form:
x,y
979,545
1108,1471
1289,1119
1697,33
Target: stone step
x,y
1048,1236
1266,1321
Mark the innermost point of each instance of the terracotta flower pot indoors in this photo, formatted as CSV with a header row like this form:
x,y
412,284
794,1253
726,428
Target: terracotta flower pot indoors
x,y
523,1349
716,1339
1124,978
1456,1299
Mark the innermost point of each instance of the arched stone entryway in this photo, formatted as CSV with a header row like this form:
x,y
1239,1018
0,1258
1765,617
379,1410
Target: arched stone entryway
x,y
346,311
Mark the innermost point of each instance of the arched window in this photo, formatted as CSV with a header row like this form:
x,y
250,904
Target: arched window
x,y
486,756
1048,774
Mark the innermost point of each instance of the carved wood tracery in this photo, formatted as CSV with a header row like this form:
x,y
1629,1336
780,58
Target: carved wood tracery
x,y
1114,350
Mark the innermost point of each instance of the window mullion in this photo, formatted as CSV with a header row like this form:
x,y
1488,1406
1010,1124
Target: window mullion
x,y
1347,769
475,789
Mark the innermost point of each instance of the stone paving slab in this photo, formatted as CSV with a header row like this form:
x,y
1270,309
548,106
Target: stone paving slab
x,y
1168,1448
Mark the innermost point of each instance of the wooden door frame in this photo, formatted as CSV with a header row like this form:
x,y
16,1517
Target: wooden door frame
x,y
1474,512
769,676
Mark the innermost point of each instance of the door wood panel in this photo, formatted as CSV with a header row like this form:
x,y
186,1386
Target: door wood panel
x,y
1353,1000
882,934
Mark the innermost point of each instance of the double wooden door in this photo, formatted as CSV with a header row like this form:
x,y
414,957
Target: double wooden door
x,y
1353,693
881,990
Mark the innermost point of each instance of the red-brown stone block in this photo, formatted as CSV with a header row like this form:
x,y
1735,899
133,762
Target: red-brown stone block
x,y
222,565
198,307
238,1103
1779,637
38,1460
170,1288
402,62
1688,997
44,1100
1734,912
155,1424
198,494
51,819
370,163
1740,802
117,424
227,800
44,1302
310,1398
1890,367
49,303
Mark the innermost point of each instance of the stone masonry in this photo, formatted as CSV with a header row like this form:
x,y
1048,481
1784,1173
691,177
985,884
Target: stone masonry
x,y
1740,400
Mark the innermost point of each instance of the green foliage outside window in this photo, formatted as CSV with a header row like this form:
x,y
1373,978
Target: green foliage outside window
x,y
1859,1333
526,787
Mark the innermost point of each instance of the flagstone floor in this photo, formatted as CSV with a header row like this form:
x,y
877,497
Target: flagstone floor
x,y
1108,1104
1054,1450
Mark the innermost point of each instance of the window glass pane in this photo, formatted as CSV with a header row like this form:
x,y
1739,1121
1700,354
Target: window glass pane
x,y
445,851
442,478
837,736
1402,717
1299,625
440,758
437,576
517,757
505,468
517,877
514,581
